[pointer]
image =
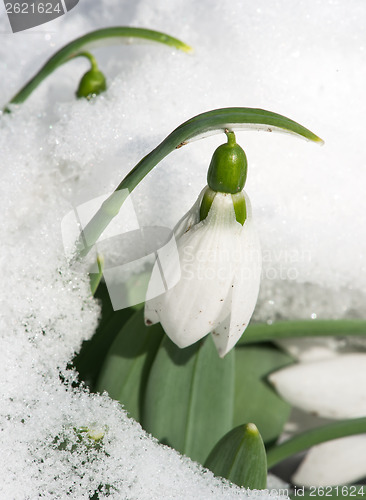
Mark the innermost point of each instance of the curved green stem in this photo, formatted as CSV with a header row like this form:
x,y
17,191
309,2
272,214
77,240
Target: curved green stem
x,y
217,120
105,36
230,137
91,59
261,332
305,440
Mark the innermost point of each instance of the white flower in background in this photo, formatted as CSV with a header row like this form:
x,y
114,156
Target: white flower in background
x,y
331,388
220,263
334,388
337,462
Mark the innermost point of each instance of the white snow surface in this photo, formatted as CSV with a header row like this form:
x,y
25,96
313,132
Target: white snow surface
x,y
303,59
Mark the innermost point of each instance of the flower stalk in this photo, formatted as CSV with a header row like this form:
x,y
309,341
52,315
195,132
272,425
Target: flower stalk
x,y
216,121
101,37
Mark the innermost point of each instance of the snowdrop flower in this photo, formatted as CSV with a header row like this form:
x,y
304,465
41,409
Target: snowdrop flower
x,y
333,387
330,388
336,462
220,262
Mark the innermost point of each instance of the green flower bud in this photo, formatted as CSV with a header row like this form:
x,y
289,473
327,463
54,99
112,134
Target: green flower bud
x,y
93,82
227,172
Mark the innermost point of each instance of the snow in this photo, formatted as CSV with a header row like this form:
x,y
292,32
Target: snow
x,y
303,61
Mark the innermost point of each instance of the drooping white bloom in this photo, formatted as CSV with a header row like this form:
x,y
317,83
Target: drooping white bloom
x,y
333,387
340,461
220,267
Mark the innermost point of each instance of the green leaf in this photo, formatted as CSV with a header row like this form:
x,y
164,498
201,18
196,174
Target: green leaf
x,y
100,37
189,397
262,332
240,457
127,364
255,399
217,120
310,438
92,353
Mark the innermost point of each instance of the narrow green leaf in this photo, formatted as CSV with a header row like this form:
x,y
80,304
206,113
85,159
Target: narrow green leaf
x,y
310,438
217,120
128,362
100,37
261,332
189,397
255,399
240,457
96,277
90,359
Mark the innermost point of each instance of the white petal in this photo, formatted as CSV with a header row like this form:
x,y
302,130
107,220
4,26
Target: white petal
x,y
310,349
191,218
151,316
166,270
192,308
340,461
245,287
333,388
